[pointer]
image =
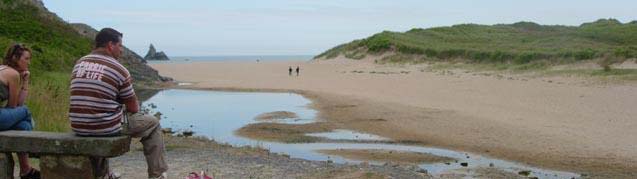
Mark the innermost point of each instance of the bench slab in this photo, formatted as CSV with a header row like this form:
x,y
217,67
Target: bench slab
x,y
63,144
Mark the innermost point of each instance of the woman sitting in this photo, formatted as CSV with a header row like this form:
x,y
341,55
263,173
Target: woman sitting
x,y
14,86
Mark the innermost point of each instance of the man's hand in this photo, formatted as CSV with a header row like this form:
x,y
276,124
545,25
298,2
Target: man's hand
x,y
132,106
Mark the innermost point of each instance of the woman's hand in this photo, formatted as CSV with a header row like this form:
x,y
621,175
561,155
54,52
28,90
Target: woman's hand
x,y
24,91
24,76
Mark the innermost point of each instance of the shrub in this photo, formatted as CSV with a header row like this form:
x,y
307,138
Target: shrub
x,y
626,52
451,53
585,54
410,50
377,43
607,60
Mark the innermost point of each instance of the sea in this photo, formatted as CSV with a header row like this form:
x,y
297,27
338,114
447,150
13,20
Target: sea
x,y
245,58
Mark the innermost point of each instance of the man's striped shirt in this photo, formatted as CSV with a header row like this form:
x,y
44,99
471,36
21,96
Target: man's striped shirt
x,y
99,87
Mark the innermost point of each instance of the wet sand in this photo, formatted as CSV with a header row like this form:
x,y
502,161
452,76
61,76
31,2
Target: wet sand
x,y
286,133
276,115
557,123
387,156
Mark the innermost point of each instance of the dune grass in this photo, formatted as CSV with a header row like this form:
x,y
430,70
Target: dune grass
x,y
614,74
518,43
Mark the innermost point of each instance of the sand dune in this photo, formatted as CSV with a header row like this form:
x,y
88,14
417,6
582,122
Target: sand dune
x,y
558,124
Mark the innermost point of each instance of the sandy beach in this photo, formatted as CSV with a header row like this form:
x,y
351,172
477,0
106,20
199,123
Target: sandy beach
x,y
556,123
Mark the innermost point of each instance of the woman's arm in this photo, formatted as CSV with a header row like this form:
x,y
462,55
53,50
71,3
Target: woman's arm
x,y
13,81
24,90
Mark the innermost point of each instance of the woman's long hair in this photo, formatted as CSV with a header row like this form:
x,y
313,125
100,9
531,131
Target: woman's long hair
x,y
13,55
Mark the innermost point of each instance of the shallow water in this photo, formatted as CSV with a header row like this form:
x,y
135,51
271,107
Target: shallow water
x,y
218,114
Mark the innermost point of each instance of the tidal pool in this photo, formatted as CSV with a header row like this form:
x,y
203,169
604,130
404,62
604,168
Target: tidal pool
x,y
217,115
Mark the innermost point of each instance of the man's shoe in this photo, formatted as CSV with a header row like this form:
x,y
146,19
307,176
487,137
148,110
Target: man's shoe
x,y
114,175
162,176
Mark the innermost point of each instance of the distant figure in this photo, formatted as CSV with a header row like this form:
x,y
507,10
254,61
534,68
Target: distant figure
x,y
290,71
297,70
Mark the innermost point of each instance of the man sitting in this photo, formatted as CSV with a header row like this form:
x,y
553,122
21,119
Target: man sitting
x,y
100,88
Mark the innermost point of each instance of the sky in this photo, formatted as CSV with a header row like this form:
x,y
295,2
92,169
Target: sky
x,y
308,27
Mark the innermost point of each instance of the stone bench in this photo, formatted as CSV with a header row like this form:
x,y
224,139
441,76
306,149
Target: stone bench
x,y
62,155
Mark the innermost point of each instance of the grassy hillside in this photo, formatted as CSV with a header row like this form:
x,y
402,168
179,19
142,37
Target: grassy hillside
x,y
519,43
56,45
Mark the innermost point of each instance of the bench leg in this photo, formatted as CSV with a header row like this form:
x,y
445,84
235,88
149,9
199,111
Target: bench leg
x,y
6,166
66,166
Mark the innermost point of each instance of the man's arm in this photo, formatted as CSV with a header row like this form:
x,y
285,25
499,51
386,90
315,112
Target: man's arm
x,y
127,95
132,105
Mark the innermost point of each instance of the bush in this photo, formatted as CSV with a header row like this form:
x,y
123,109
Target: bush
x,y
626,52
607,60
451,53
431,52
527,58
355,54
585,54
500,57
410,50
377,43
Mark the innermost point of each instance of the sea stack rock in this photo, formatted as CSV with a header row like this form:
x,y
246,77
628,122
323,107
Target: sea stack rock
x,y
154,55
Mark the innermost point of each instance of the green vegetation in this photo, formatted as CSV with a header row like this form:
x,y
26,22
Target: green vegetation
x,y
519,43
613,75
514,68
55,44
48,101
55,47
607,60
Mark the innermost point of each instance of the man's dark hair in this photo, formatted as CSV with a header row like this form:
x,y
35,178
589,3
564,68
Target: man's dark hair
x,y
107,35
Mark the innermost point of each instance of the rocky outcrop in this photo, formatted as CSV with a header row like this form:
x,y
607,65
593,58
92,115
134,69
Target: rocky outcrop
x,y
154,55
136,64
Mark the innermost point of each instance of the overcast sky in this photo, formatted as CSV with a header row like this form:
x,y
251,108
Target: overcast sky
x,y
307,27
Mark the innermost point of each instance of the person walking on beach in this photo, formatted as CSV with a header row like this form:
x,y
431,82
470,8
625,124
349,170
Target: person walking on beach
x,y
297,70
14,87
103,103
290,71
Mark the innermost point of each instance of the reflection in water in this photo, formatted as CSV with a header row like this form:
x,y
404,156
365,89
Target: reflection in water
x,y
218,114
145,94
